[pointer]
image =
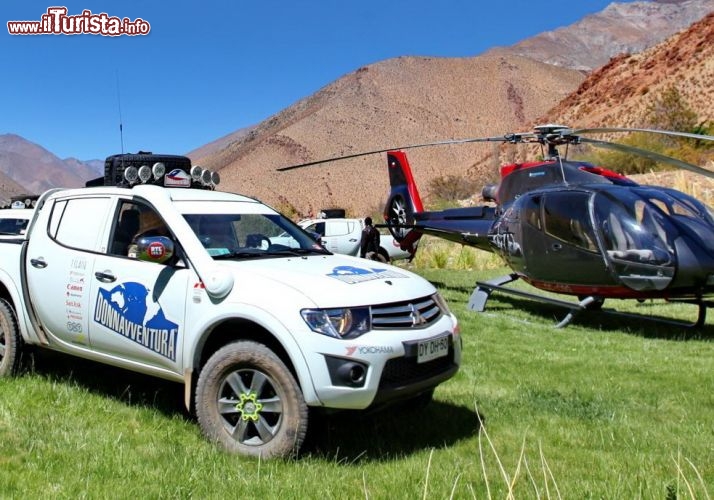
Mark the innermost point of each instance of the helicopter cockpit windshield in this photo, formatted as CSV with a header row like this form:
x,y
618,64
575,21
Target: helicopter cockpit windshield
x,y
635,239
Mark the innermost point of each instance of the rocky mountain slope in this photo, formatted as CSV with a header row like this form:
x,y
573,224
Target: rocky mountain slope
x,y
621,28
619,93
35,169
400,101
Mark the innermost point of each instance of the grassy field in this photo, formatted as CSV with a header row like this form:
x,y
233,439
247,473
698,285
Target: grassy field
x,y
605,408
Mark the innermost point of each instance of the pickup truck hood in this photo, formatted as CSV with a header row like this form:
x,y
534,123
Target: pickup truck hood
x,y
334,280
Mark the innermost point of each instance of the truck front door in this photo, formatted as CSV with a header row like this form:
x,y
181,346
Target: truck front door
x,y
137,308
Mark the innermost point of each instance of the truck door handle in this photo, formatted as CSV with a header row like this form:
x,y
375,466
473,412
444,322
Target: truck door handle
x,y
105,277
38,263
556,247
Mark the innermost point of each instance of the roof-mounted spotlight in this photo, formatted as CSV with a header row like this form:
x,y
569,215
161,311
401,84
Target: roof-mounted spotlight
x,y
206,177
144,173
196,173
159,169
215,178
131,174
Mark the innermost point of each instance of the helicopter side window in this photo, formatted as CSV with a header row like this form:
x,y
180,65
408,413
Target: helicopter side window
x,y
566,217
630,230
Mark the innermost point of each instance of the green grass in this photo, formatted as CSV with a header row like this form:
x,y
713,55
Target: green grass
x,y
605,408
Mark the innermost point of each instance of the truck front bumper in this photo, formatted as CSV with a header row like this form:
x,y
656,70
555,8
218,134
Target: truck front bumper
x,y
365,374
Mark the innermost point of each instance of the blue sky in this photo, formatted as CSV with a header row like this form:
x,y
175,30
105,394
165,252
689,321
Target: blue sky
x,y
209,68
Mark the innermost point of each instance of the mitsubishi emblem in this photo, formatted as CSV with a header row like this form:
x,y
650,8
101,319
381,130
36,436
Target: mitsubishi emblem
x,y
415,315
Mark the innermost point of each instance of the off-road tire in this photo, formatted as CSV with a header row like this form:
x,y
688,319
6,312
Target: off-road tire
x,y
249,402
10,341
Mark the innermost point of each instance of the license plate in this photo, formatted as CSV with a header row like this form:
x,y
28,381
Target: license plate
x,y
432,349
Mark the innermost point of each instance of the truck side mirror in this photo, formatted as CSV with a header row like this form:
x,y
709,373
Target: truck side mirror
x,y
158,249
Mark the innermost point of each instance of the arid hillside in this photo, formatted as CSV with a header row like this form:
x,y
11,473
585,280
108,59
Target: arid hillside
x,y
619,93
619,28
396,102
9,188
33,169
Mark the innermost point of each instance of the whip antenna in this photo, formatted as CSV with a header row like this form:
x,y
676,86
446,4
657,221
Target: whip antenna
x,y
121,127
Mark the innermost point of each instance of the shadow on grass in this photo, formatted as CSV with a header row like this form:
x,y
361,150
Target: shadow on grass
x,y
134,389
347,436
644,319
352,437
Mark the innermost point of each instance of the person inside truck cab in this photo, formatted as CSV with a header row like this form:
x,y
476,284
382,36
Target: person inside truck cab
x,y
216,232
150,224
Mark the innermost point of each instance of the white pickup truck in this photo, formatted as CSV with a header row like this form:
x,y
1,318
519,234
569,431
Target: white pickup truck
x,y
16,215
343,235
157,276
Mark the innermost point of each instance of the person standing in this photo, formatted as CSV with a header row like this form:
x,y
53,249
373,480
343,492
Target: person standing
x,y
369,244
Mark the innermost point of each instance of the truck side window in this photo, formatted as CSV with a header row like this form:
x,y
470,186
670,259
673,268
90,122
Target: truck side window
x,y
318,227
65,226
133,221
127,223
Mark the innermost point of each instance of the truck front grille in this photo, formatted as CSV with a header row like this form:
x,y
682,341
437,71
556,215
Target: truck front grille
x,y
418,313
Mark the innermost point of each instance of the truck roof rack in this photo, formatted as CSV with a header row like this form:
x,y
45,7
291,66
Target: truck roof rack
x,y
21,201
130,169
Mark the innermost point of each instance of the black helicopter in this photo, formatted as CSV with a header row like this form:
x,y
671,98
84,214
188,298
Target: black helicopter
x,y
571,227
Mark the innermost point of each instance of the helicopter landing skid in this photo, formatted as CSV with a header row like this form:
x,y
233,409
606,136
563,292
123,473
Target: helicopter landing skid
x,y
483,290
480,295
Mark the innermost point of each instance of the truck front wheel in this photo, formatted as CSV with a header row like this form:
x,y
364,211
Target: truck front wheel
x,y
248,401
10,341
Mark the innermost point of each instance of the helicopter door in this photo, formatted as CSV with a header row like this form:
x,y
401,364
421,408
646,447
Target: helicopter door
x,y
635,242
562,239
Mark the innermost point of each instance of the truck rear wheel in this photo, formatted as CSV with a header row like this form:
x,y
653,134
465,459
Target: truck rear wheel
x,y
248,401
10,340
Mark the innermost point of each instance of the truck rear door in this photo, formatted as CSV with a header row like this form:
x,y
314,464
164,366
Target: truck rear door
x,y
60,259
342,236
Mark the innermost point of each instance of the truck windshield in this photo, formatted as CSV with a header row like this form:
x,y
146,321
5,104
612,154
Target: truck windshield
x,y
251,235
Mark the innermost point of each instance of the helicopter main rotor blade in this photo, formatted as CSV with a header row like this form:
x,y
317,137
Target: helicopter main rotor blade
x,y
649,154
504,138
646,130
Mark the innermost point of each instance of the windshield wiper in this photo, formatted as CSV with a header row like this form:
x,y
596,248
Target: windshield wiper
x,y
302,251
274,253
237,255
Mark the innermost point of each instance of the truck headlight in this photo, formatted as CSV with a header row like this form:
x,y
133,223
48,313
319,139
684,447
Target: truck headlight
x,y
341,323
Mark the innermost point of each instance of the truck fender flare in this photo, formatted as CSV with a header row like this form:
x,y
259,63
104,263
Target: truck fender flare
x,y
263,319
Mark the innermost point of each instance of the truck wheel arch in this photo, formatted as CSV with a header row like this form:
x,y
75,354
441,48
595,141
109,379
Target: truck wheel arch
x,y
234,329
